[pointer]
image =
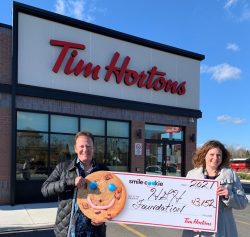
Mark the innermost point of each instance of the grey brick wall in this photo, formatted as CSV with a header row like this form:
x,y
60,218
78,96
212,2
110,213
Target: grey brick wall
x,y
5,147
5,55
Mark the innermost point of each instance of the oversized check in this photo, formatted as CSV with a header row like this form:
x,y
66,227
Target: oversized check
x,y
173,202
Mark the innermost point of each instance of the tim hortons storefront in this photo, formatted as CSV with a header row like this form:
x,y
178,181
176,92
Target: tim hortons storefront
x,y
59,75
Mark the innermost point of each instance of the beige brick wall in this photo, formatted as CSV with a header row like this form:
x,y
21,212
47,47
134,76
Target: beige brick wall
x,y
5,55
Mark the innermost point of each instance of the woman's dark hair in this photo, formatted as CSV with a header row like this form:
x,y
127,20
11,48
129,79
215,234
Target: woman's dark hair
x,y
200,154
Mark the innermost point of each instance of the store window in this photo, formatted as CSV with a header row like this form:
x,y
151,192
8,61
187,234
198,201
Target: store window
x,y
99,151
117,145
64,124
32,146
32,121
117,129
117,153
164,150
44,140
159,132
61,148
95,126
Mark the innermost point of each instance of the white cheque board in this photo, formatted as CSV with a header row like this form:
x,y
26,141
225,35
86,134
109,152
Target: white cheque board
x,y
173,202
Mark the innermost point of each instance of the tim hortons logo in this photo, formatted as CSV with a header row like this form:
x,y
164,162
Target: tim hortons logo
x,y
151,79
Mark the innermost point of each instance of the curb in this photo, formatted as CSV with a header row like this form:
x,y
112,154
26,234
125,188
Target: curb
x,y
245,181
11,230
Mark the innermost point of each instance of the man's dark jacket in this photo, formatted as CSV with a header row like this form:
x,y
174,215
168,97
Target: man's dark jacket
x,y
61,183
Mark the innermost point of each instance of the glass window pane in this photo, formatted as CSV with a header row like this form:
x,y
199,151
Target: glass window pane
x,y
32,156
99,149
95,126
117,129
61,148
159,132
32,121
64,124
164,159
117,154
173,160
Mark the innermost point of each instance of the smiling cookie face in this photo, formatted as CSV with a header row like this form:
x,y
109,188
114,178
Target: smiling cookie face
x,y
103,197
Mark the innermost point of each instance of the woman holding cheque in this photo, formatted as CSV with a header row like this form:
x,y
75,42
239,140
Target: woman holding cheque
x,y
211,161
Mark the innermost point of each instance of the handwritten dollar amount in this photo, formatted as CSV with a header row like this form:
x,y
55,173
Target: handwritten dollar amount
x,y
198,202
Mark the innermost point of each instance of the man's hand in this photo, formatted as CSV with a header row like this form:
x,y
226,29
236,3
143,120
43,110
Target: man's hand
x,y
79,182
96,223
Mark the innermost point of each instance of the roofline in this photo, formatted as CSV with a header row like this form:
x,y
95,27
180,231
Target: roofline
x,y
5,25
104,31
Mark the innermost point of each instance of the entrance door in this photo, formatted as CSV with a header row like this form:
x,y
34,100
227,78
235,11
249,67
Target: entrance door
x,y
163,158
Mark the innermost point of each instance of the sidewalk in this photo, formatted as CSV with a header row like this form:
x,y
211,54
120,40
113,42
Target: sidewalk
x,y
30,216
27,216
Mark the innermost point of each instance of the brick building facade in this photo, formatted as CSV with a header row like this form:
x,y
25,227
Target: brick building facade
x,y
145,140
5,111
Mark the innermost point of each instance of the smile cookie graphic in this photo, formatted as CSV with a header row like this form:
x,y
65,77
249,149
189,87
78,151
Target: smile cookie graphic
x,y
103,196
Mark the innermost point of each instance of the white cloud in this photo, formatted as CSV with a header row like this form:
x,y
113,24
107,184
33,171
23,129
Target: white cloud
x,y
239,10
245,15
232,46
230,119
60,7
230,3
222,72
79,9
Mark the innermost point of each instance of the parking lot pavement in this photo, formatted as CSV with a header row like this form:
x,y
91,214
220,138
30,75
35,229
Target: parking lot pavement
x,y
41,215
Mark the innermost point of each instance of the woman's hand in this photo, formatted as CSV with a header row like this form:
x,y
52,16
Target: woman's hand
x,y
223,191
79,182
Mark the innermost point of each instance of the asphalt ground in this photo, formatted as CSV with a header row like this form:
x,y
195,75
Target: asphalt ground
x,y
38,218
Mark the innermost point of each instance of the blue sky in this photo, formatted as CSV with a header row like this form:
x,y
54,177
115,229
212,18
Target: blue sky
x,y
218,29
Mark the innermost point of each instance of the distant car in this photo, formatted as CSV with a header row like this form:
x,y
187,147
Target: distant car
x,y
156,169
153,169
240,164
171,168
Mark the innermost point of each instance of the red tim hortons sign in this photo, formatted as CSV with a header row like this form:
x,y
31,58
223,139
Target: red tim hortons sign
x,y
151,79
